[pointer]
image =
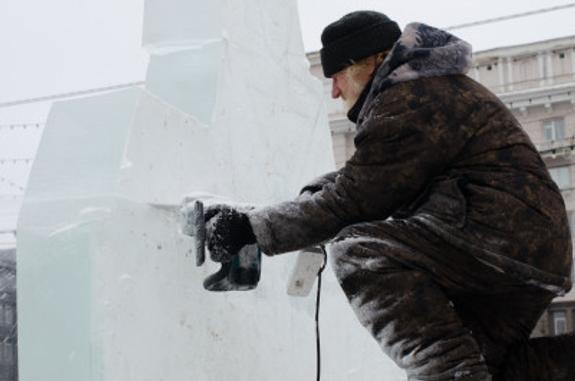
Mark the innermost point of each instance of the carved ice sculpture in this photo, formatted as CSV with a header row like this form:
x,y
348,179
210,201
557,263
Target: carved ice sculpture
x,y
107,288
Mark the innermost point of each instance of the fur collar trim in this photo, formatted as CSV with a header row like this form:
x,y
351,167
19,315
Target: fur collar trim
x,y
421,51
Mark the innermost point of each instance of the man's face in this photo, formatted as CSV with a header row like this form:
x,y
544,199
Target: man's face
x,y
350,82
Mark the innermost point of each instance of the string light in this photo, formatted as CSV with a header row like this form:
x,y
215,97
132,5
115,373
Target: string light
x,y
22,126
11,183
9,160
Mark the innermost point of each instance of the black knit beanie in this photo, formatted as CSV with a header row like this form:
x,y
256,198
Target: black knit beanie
x,y
355,36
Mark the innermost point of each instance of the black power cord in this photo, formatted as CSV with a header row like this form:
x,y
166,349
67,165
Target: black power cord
x,y
317,303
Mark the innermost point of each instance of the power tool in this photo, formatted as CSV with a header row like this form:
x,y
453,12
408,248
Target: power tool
x,y
241,274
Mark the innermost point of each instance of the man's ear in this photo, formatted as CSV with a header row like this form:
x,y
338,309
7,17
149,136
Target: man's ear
x,y
374,64
378,60
373,67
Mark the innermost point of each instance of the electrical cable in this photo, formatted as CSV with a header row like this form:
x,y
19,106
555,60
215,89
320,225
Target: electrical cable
x,y
317,304
70,94
510,17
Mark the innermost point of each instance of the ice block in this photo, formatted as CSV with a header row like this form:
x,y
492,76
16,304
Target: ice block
x,y
108,289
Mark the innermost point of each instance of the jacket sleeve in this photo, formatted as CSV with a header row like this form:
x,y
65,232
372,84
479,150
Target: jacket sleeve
x,y
318,183
398,152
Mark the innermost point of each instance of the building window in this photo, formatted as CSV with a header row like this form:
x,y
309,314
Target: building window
x,y
561,176
559,319
554,129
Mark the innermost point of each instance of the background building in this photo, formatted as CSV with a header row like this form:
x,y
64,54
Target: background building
x,y
537,83
8,339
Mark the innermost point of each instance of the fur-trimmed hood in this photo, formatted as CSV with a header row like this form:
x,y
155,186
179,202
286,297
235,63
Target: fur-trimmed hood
x,y
421,51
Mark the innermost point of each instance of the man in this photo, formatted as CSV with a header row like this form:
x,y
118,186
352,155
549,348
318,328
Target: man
x,y
448,235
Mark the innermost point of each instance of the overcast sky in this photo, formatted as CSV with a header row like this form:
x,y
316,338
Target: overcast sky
x,y
57,46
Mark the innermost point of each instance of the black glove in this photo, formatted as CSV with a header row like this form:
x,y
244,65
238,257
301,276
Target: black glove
x,y
228,231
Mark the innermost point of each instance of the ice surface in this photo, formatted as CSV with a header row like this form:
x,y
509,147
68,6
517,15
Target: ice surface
x,y
183,23
171,76
107,287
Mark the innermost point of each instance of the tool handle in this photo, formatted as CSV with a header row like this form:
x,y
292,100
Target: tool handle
x,y
195,226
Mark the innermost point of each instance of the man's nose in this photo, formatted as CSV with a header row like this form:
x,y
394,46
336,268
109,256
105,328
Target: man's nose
x,y
335,91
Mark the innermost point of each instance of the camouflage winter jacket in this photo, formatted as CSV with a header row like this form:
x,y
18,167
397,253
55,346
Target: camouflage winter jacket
x,y
442,149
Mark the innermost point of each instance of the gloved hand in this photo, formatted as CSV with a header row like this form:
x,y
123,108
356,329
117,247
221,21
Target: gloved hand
x,y
228,231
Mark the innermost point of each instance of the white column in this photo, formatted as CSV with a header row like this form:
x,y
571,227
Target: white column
x,y
510,73
501,72
478,78
549,66
573,62
542,73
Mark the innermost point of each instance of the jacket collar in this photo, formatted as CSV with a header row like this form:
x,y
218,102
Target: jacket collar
x,y
421,51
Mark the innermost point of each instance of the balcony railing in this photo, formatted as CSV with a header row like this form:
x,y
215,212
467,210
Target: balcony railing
x,y
531,83
558,147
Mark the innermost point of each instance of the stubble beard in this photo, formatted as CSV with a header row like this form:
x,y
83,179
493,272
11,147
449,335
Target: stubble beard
x,y
356,87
